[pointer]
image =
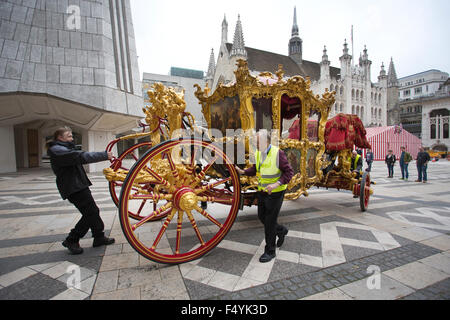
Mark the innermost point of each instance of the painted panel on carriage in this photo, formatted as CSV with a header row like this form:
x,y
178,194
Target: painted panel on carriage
x,y
225,114
311,163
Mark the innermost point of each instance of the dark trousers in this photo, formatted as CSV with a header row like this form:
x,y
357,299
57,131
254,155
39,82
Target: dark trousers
x,y
422,172
404,168
90,219
269,206
390,169
369,166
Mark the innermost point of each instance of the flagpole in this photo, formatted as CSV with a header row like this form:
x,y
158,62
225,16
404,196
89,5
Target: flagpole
x,y
353,52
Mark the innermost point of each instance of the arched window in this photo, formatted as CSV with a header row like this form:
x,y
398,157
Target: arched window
x,y
353,93
336,108
371,112
371,96
362,95
341,90
357,111
331,87
433,131
379,114
353,109
357,94
379,98
445,130
362,113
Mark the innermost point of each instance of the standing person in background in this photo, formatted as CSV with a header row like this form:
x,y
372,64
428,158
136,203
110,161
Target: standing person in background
x,y
369,159
390,161
405,159
422,164
73,184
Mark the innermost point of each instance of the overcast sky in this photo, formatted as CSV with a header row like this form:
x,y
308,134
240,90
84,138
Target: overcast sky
x,y
181,33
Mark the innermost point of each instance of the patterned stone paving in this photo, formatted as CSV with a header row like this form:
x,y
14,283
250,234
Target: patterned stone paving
x,y
328,253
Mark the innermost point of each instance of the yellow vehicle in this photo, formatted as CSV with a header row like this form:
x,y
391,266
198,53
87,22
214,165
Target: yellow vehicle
x,y
180,199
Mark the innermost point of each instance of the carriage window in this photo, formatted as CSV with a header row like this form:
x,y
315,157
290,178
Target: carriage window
x,y
225,114
313,126
263,113
291,110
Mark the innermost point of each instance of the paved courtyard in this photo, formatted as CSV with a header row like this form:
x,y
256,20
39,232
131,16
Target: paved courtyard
x,y
398,249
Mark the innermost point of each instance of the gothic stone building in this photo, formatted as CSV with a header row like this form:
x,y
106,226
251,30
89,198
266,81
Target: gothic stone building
x,y
355,93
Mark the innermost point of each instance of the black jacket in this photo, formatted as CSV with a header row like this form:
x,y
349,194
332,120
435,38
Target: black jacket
x,y
423,157
67,164
390,160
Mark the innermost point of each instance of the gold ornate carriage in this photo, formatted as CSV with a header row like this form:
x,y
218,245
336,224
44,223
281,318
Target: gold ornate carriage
x,y
181,197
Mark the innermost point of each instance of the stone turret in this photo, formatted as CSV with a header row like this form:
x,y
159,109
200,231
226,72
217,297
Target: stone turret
x,y
325,65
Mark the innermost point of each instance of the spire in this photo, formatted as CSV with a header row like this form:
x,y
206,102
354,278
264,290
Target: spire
x,y
211,66
295,32
392,75
295,43
224,29
238,48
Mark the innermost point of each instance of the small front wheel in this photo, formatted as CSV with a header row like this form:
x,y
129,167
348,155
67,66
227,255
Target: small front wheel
x,y
365,192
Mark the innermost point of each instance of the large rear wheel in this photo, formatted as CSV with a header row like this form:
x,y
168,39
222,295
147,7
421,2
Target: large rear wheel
x,y
183,176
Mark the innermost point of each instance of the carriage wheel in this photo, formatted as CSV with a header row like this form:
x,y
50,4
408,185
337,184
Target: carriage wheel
x,y
115,186
364,191
188,184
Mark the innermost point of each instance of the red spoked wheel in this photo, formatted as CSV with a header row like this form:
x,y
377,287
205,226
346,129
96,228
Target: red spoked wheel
x,y
183,174
124,162
364,192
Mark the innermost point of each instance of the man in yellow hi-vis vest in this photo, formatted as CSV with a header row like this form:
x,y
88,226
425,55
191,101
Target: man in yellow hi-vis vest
x,y
274,173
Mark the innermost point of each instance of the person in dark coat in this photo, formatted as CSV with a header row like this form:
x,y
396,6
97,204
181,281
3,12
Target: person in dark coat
x,y
422,164
390,162
369,160
73,184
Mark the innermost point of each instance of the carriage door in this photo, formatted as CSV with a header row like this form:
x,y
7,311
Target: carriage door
x,y
33,148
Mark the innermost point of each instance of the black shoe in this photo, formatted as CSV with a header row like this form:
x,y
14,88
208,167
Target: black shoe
x,y
281,238
74,247
355,196
266,257
103,241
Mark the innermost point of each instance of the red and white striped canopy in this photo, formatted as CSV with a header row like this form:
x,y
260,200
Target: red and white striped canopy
x,y
392,138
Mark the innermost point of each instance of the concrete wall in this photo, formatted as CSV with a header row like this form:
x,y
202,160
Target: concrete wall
x,y
80,50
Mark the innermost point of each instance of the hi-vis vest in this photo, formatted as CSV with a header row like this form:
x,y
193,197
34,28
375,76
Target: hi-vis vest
x,y
355,162
268,171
